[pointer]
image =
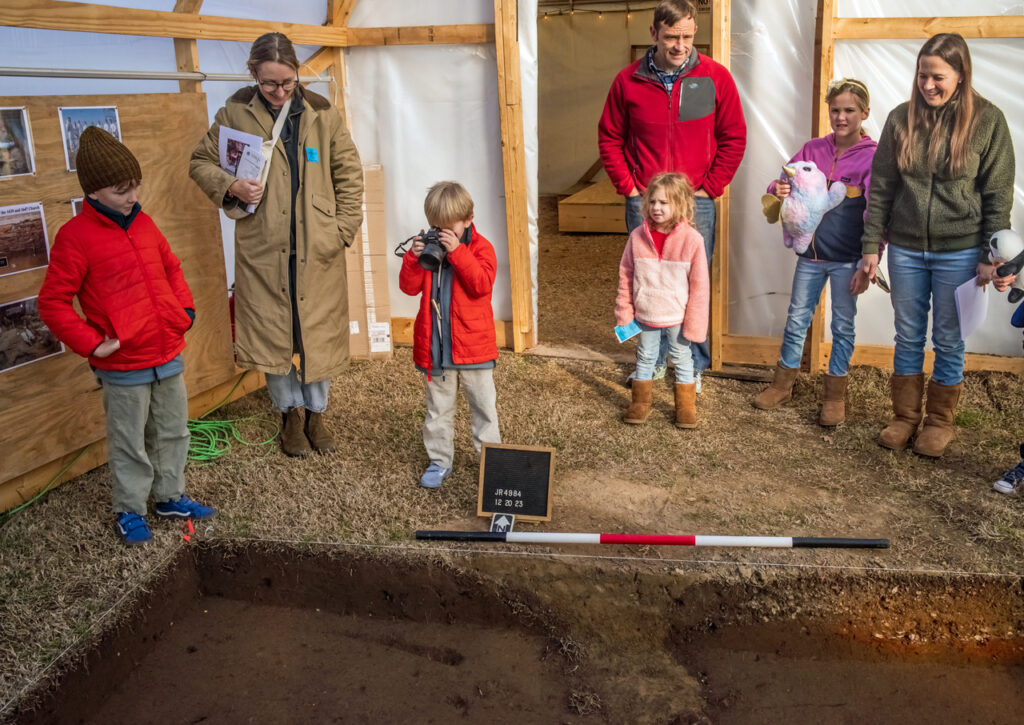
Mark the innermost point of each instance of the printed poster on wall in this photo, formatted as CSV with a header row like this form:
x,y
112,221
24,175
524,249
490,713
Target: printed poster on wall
x,y
23,243
74,120
16,157
76,205
24,339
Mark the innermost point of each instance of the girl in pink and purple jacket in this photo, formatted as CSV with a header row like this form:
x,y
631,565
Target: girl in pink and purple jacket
x,y
664,287
845,156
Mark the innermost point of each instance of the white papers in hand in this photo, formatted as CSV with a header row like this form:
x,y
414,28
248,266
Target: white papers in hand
x,y
240,155
971,306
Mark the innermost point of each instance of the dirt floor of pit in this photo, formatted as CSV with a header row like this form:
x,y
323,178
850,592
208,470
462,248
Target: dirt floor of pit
x,y
238,662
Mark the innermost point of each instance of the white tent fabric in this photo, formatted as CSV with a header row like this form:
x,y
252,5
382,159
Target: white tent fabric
x,y
773,61
427,113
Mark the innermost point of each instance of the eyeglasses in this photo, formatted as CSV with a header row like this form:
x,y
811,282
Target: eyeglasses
x,y
272,86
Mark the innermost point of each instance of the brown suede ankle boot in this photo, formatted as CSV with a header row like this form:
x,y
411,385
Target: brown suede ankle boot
x,y
686,405
833,400
907,391
293,438
640,407
317,433
780,390
937,431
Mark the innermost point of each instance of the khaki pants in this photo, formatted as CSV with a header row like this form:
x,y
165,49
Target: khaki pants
x,y
147,441
439,427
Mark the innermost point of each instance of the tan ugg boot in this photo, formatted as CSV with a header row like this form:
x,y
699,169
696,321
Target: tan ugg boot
x,y
907,391
293,437
686,405
779,391
317,433
640,407
937,431
833,400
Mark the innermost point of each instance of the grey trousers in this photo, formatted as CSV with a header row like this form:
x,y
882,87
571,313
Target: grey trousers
x,y
147,441
439,426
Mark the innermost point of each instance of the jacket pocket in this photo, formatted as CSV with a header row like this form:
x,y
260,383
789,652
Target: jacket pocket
x,y
696,98
324,204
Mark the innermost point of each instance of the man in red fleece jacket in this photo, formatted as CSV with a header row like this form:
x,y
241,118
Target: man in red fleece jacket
x,y
674,110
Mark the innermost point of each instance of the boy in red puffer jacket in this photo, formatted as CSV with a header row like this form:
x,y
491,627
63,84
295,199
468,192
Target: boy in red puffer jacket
x,y
137,308
453,337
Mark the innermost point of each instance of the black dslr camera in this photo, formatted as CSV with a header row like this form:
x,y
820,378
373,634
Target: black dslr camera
x,y
433,252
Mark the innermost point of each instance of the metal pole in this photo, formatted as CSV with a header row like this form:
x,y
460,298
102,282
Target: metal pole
x,y
142,75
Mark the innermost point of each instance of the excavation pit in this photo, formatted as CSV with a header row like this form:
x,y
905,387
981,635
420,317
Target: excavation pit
x,y
262,633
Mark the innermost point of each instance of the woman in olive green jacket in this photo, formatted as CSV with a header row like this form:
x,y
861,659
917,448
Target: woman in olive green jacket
x,y
291,301
941,184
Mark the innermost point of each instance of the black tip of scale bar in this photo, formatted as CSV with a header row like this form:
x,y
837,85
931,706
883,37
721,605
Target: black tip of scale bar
x,y
460,535
810,542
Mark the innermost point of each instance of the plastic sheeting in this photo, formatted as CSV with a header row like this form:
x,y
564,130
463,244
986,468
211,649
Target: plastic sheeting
x,y
426,113
430,113
773,61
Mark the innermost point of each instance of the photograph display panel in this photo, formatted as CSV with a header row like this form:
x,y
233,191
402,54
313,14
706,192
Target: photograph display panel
x,y
16,156
24,338
23,244
74,120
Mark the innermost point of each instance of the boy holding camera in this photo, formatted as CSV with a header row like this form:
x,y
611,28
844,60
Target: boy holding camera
x,y
453,336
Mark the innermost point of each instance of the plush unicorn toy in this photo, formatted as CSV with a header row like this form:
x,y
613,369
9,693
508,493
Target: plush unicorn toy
x,y
1006,249
801,211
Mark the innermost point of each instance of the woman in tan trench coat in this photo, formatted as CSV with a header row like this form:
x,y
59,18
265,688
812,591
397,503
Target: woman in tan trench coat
x,y
291,299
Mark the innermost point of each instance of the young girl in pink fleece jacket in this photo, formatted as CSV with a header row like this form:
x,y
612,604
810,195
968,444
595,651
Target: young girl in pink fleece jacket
x,y
664,287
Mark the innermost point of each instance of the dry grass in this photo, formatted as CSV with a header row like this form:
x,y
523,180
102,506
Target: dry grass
x,y
743,471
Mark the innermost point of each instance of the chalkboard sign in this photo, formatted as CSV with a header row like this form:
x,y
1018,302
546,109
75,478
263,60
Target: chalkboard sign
x,y
516,480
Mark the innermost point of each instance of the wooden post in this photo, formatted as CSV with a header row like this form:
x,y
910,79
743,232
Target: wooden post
x,y
824,51
186,52
513,154
338,13
720,49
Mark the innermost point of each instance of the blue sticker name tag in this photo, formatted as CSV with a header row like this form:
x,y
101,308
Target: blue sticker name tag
x,y
312,156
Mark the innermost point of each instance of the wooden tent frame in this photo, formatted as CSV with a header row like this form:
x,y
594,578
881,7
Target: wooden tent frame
x,y
185,26
830,28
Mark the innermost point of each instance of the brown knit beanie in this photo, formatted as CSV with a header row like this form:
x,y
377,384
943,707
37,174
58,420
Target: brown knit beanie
x,y
104,161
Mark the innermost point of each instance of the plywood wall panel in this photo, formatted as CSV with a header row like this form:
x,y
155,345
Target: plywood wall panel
x,y
51,407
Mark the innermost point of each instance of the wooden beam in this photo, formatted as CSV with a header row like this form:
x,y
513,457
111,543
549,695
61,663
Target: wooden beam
x,y
186,51
824,67
422,35
998,26
752,350
317,63
401,331
338,11
721,48
60,15
513,155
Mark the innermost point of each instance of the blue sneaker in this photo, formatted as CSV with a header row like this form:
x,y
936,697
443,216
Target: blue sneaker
x,y
184,508
133,528
1010,480
434,475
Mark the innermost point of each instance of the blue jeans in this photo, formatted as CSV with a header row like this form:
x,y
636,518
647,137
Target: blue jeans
x,y
648,349
917,279
704,221
286,392
808,281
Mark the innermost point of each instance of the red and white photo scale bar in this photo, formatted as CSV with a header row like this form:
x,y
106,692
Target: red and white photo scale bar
x,y
535,537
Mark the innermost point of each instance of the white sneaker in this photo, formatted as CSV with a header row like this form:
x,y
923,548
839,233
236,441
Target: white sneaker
x,y
696,379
